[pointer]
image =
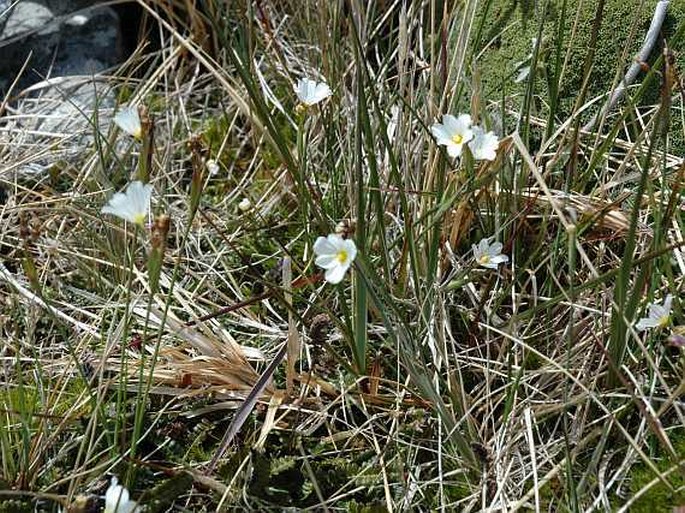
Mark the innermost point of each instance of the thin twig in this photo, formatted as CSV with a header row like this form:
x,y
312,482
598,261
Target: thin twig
x,y
635,67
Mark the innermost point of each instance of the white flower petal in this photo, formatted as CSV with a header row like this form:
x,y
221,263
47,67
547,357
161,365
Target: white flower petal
x,y
465,121
133,205
351,249
442,136
461,126
458,124
658,317
454,150
495,248
657,311
321,92
484,145
523,74
334,275
323,246
116,202
138,193
451,124
129,121
646,323
326,261
310,92
117,499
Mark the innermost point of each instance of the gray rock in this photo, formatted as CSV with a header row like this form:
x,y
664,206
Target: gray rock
x,y
27,18
54,122
50,118
57,38
4,13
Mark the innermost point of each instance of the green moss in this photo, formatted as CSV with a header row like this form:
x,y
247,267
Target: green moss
x,y
511,44
15,506
164,494
660,498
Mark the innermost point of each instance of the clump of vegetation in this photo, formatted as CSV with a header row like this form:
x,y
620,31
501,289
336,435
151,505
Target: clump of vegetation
x,y
515,40
341,255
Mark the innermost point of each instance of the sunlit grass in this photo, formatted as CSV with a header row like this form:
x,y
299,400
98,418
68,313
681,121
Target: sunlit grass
x,y
497,340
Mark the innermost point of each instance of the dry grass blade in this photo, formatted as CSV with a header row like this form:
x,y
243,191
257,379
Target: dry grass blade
x,y
605,217
246,408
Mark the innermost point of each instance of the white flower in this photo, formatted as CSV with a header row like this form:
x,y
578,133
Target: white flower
x,y
489,255
245,205
484,144
524,70
133,205
212,167
658,317
523,74
309,92
453,133
334,254
129,121
117,499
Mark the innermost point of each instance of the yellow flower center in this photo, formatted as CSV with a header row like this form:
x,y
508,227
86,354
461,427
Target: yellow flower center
x,y
484,259
341,256
138,133
457,139
139,219
663,320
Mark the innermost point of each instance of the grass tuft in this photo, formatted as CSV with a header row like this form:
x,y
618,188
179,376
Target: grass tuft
x,y
202,358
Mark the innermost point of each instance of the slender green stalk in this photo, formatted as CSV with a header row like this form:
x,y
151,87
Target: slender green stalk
x,y
571,331
625,304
